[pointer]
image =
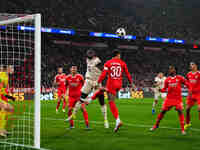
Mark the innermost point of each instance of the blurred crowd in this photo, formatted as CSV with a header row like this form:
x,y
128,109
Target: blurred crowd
x,y
142,64
149,18
171,19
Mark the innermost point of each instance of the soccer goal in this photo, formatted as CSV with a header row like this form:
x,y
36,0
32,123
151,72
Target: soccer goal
x,y
20,48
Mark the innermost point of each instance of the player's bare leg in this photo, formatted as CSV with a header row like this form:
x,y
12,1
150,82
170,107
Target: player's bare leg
x,y
159,118
114,110
181,119
188,124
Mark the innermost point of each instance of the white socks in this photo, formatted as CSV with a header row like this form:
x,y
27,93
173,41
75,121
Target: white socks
x,y
104,111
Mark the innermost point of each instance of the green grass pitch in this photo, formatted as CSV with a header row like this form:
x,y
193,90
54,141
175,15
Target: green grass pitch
x,y
134,134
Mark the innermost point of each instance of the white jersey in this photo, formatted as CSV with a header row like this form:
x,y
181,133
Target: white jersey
x,y
93,72
160,82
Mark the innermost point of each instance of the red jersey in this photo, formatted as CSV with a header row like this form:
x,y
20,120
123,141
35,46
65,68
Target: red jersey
x,y
193,79
61,80
115,69
173,87
75,83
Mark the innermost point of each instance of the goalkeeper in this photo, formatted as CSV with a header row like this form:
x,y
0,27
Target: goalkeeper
x,y
5,107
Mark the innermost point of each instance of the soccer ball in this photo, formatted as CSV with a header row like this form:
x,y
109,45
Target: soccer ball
x,y
121,32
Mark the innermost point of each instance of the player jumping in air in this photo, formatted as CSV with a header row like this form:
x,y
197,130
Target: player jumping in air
x,y
5,107
172,85
193,78
94,67
60,83
114,69
159,84
74,83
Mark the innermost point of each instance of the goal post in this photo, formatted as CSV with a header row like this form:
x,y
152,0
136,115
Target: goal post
x,y
11,44
37,66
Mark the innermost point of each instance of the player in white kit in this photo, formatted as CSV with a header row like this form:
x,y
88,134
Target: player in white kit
x,y
158,84
94,67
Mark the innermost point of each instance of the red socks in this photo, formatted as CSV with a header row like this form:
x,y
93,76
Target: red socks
x,y
113,109
58,104
181,118
160,116
64,103
71,121
96,94
85,115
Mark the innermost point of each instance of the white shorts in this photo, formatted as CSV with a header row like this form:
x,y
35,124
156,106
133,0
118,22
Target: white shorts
x,y
157,95
89,86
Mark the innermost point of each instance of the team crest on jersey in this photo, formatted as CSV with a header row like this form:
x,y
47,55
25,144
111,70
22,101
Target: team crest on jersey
x,y
196,77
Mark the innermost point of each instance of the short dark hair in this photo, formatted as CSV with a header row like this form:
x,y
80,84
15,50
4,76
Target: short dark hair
x,y
115,53
72,65
91,53
173,67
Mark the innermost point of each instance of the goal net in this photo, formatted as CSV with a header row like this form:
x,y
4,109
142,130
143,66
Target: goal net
x,y
20,42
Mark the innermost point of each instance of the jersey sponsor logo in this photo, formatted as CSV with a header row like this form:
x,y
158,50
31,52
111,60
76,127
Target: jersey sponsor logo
x,y
193,81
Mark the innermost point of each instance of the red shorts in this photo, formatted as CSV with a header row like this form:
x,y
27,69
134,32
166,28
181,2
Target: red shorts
x,y
113,87
191,100
61,92
72,102
169,103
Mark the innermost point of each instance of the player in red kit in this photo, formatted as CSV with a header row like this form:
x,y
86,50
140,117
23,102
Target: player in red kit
x,y
60,83
193,78
74,83
172,86
114,69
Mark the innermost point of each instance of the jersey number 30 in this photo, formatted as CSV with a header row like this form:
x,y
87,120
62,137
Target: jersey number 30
x,y
115,71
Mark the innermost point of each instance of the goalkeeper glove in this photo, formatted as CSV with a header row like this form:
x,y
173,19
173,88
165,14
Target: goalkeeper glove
x,y
10,97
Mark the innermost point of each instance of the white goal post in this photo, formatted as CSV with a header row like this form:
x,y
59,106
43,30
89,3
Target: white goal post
x,y
36,19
